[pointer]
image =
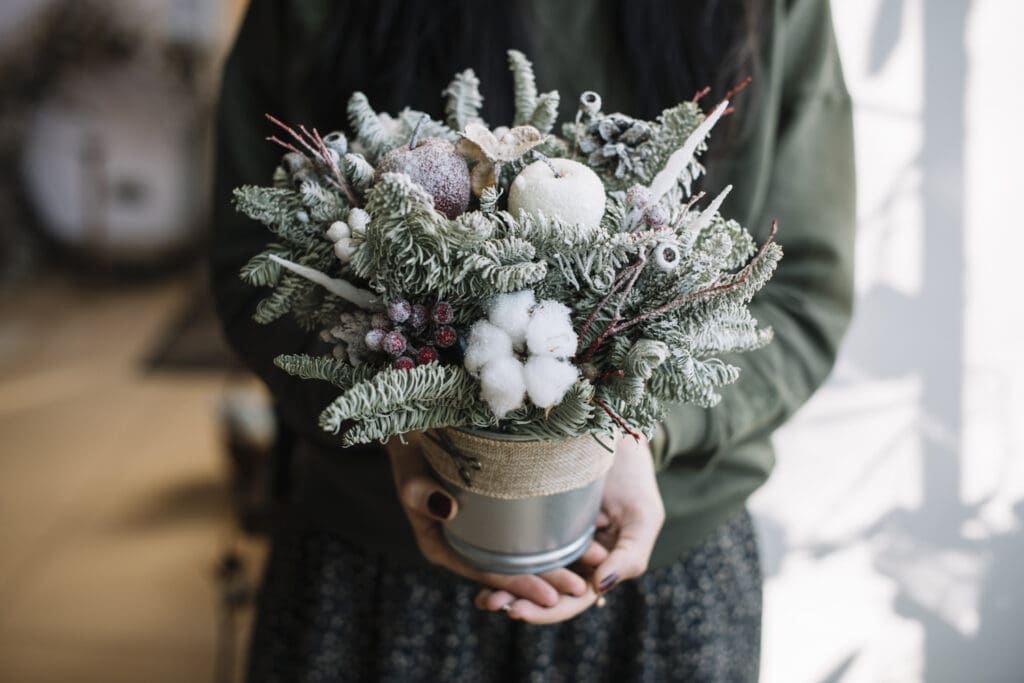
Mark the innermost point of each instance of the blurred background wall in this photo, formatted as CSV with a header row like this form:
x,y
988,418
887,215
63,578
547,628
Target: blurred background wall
x,y
892,528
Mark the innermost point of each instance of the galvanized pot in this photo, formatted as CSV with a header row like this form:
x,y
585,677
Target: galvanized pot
x,y
526,506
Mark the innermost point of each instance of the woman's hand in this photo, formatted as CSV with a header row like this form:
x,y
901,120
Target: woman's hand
x,y
427,505
631,517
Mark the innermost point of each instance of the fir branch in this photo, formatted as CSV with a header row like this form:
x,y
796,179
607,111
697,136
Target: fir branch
x,y
260,270
391,390
545,112
358,171
324,368
525,87
369,130
464,100
489,199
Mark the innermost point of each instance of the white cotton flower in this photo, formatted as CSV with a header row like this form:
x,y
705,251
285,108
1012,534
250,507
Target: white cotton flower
x,y
520,330
547,379
502,386
338,230
486,342
550,331
358,219
511,312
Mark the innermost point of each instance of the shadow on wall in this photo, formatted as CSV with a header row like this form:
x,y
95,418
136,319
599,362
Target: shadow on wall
x,y
964,590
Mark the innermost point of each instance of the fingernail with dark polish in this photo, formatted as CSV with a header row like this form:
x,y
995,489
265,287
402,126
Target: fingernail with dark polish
x,y
607,583
439,505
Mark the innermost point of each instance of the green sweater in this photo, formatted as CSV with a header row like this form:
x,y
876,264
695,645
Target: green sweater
x,y
796,167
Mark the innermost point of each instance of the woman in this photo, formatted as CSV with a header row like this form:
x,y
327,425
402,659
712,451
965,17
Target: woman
x,y
358,586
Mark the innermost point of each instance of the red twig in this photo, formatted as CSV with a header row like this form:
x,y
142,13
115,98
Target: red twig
x,y
628,276
329,161
739,86
287,145
689,205
609,374
637,269
314,144
700,294
618,419
697,96
619,281
291,131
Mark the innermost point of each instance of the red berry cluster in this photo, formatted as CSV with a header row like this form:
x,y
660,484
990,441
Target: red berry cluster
x,y
411,334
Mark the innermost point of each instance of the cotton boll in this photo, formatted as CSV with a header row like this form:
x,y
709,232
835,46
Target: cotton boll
x,y
547,379
501,385
550,331
487,342
511,312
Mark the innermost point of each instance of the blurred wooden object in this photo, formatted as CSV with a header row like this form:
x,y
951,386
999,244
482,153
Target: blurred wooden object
x,y
114,506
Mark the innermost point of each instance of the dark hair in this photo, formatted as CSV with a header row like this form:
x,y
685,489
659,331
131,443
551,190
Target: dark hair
x,y
402,53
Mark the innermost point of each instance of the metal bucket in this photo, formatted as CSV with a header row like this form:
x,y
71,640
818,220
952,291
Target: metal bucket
x,y
523,535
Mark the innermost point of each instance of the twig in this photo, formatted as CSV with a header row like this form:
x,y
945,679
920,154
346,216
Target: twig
x,y
609,374
619,281
314,144
618,419
629,276
697,96
291,131
739,86
700,294
287,145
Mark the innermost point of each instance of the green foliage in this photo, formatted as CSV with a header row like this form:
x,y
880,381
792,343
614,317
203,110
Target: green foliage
x,y
524,86
464,100
656,333
370,132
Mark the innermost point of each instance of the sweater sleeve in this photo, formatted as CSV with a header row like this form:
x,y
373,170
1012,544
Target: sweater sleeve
x,y
254,83
810,191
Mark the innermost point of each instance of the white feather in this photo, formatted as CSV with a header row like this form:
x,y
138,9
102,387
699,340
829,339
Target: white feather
x,y
682,157
346,290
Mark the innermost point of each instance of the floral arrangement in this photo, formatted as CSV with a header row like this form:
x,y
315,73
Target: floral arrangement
x,y
507,279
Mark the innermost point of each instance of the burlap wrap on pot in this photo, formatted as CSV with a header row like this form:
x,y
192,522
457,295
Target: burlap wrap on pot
x,y
513,469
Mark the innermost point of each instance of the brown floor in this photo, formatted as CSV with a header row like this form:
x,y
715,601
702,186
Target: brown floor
x,y
113,507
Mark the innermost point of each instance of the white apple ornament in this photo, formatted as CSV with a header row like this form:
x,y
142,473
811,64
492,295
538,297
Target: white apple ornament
x,y
559,188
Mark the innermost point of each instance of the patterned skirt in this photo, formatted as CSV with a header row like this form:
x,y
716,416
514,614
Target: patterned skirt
x,y
330,612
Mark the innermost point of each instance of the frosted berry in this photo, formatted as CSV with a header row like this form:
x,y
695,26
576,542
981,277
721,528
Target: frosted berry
x,y
445,336
394,343
638,197
442,313
656,216
427,354
380,321
375,339
399,311
418,316
404,363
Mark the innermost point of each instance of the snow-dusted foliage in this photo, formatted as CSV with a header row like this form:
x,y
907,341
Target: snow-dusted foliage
x,y
523,323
